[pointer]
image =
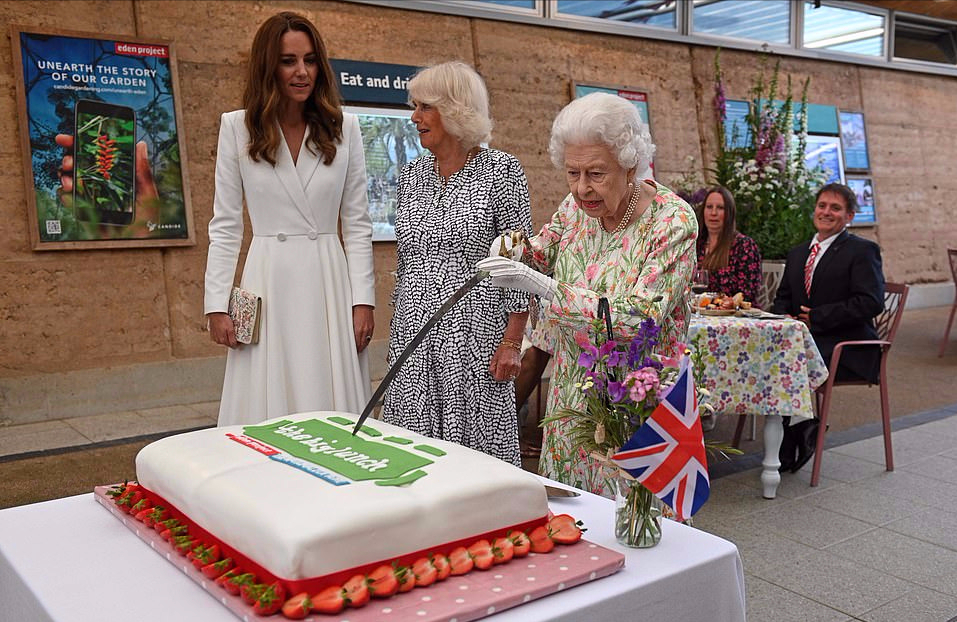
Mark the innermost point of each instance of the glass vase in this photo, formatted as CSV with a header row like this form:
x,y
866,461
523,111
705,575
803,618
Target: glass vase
x,y
638,514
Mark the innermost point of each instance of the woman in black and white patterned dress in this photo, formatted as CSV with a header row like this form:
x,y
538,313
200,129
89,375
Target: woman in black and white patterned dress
x,y
452,202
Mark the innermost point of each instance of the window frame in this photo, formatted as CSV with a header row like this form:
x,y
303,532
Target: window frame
x,y
546,15
921,20
840,54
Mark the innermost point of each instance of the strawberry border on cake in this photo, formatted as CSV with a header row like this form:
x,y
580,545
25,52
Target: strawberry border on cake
x,y
245,581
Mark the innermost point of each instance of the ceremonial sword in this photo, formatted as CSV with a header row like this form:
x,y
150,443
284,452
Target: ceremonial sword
x,y
390,375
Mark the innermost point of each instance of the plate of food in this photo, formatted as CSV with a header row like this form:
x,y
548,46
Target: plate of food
x,y
722,305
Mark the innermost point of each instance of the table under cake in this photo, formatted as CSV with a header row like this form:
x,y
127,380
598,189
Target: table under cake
x,y
73,560
766,367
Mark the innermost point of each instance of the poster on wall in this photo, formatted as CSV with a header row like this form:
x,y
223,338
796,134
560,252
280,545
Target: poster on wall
x,y
637,97
854,141
737,132
863,187
825,151
104,163
389,140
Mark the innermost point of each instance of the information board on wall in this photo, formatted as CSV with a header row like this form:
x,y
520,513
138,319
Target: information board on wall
x,y
854,141
866,213
825,151
103,158
389,137
390,141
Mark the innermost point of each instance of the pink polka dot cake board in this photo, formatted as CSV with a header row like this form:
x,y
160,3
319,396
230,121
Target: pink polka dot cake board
x,y
468,597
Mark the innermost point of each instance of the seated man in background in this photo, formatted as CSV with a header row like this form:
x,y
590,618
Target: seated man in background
x,y
835,285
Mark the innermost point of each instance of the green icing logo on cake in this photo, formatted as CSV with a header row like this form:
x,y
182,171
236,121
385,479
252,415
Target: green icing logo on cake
x,y
335,455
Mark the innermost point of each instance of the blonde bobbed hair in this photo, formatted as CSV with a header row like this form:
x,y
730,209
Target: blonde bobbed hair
x,y
459,94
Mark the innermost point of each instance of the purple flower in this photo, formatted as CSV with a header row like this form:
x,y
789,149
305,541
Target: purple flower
x,y
643,343
720,106
616,391
607,348
588,356
698,196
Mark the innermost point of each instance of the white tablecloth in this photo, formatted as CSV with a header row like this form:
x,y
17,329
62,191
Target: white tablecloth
x,y
71,560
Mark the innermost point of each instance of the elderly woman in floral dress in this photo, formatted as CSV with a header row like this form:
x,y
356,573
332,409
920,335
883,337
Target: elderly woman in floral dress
x,y
628,240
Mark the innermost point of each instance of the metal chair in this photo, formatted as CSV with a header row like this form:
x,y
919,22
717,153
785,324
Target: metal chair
x,y
952,255
771,274
895,296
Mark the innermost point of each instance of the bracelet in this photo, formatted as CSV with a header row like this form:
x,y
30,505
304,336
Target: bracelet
x,y
511,343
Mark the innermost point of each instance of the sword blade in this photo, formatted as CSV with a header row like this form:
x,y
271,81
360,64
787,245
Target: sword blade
x,y
419,337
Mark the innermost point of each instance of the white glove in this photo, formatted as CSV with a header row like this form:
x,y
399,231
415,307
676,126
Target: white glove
x,y
516,275
512,243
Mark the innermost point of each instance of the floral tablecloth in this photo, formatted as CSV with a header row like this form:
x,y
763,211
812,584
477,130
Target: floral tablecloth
x,y
752,366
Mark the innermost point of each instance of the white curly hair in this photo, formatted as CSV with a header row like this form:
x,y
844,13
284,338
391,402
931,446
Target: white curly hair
x,y
606,119
457,91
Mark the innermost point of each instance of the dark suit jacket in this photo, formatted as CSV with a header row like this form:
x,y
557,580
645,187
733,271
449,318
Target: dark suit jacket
x,y
847,292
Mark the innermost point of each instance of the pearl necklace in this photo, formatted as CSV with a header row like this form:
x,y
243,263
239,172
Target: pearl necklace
x,y
632,205
468,158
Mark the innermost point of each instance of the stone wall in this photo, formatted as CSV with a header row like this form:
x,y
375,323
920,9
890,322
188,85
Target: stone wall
x,y
78,326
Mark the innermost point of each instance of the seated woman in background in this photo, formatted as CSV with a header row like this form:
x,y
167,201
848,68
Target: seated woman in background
x,y
732,259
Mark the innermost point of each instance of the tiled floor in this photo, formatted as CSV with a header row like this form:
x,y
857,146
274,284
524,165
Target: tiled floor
x,y
866,544
34,438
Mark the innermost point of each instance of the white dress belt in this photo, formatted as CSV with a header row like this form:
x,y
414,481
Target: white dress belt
x,y
282,237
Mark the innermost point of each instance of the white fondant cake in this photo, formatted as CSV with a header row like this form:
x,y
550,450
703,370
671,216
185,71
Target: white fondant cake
x,y
307,522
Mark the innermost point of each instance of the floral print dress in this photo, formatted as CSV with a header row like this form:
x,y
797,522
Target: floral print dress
x,y
743,272
644,272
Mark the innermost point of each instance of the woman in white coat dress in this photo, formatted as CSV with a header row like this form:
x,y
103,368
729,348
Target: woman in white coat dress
x,y
298,161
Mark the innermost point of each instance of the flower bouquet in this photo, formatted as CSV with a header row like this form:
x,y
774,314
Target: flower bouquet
x,y
765,169
623,382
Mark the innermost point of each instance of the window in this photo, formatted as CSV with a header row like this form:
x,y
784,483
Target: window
x,y
518,4
658,13
843,30
915,40
744,19
874,34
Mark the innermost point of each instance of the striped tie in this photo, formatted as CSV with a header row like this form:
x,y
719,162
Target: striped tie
x,y
809,267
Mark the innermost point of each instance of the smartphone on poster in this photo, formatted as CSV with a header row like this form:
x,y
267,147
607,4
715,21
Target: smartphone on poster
x,y
103,163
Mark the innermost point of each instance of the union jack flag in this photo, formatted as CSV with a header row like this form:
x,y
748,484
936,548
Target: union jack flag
x,y
666,454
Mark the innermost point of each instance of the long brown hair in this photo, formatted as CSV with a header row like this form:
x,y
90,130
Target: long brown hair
x,y
718,258
262,98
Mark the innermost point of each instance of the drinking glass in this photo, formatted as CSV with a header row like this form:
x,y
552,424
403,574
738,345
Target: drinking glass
x,y
699,283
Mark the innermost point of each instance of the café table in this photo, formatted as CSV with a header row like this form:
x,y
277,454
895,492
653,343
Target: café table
x,y
71,560
759,365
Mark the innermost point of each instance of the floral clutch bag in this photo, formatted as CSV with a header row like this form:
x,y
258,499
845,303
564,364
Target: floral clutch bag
x,y
245,310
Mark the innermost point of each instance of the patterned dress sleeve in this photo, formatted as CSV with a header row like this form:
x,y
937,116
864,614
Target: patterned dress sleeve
x,y
513,213
745,263
544,247
657,273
